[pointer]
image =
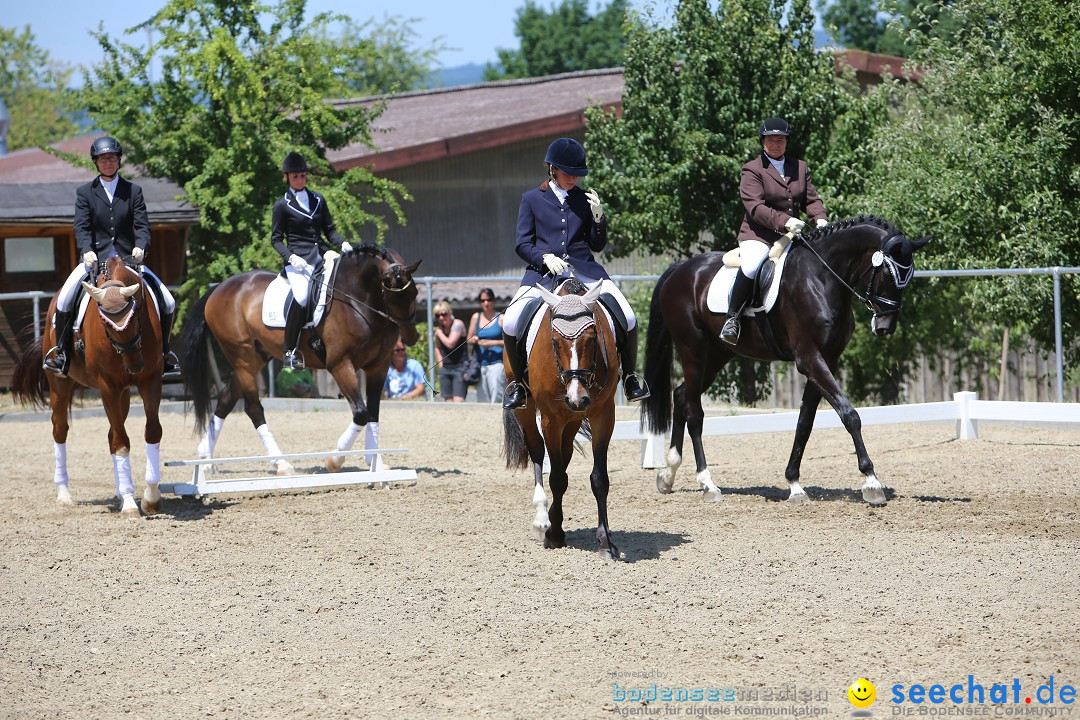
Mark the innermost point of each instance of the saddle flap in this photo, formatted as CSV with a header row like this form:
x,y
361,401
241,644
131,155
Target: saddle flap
x,y
278,295
766,291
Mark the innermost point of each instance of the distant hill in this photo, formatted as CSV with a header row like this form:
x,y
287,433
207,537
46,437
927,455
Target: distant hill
x,y
458,75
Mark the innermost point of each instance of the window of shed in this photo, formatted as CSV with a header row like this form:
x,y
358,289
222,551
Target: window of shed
x,y
29,254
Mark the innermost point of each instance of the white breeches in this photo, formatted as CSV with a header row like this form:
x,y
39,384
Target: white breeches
x,y
300,282
512,313
753,254
66,297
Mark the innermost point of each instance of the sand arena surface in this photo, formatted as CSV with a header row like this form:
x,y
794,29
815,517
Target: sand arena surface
x,y
433,600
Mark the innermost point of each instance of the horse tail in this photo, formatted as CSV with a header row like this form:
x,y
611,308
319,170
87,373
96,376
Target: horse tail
x,y
28,382
197,376
514,448
656,409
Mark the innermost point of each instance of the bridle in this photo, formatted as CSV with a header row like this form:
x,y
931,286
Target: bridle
x,y
131,310
880,262
386,279
586,376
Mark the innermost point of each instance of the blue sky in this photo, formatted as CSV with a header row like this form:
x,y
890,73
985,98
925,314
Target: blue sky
x,y
474,27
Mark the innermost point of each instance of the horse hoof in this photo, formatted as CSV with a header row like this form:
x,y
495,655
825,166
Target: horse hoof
x,y
333,464
63,497
663,486
283,468
712,495
551,544
874,496
130,514
150,508
798,499
610,553
540,531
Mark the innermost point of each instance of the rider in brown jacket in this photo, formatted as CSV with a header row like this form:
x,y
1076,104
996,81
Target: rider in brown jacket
x,y
775,190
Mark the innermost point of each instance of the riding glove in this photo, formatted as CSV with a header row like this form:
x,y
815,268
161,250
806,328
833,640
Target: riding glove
x,y
330,255
822,222
556,265
795,225
594,205
137,254
89,258
345,246
297,262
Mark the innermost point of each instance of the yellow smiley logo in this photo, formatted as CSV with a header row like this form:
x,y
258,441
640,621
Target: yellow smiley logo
x,y
862,693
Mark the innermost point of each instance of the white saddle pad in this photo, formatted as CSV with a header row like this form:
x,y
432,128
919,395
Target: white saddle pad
x,y
720,288
277,292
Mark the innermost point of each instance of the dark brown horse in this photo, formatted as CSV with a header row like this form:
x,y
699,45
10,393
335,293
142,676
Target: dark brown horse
x,y
573,375
810,323
372,299
122,338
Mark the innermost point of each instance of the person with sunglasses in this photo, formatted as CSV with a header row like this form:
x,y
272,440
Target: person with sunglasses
x,y
450,352
299,223
110,220
485,332
559,227
405,378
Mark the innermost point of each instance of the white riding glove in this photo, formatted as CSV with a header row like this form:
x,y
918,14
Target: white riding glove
x,y
345,246
89,258
795,225
594,205
555,264
297,262
330,255
137,254
822,222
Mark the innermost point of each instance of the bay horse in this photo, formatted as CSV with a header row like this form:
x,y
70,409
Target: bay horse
x,y
122,349
811,323
573,376
371,300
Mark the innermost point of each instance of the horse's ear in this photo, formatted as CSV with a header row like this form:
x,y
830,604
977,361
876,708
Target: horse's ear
x,y
412,268
591,296
549,297
916,244
129,290
95,292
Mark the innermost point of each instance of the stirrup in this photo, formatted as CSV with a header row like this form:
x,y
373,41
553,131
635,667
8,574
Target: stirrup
x,y
515,396
293,360
635,388
55,361
170,366
730,332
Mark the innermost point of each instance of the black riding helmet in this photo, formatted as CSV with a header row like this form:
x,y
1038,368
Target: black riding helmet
x,y
567,155
774,126
294,163
105,145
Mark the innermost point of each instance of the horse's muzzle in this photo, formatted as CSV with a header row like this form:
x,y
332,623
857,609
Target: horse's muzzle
x,y
580,403
883,325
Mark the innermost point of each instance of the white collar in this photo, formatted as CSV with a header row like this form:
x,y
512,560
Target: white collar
x,y
559,192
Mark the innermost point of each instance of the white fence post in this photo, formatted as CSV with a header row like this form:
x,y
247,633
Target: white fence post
x,y
966,428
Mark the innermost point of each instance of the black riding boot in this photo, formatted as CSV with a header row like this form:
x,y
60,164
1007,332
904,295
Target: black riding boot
x,y
517,392
56,360
294,360
741,291
171,363
634,386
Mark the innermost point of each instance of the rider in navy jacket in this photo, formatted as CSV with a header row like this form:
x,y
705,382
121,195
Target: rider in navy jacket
x,y
559,228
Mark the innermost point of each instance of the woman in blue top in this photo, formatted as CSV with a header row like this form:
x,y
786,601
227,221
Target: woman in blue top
x,y
559,228
485,332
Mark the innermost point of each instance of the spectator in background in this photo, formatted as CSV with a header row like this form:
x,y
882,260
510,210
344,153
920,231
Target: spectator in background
x,y
450,353
405,379
485,333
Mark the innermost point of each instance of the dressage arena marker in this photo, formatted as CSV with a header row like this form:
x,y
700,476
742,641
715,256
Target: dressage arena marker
x,y
201,484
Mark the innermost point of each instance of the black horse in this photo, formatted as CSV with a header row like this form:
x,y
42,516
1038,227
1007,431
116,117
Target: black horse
x,y
811,323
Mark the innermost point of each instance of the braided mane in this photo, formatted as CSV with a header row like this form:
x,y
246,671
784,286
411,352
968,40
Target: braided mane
x,y
831,228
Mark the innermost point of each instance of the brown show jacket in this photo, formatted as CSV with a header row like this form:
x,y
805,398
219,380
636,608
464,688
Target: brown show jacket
x,y
770,199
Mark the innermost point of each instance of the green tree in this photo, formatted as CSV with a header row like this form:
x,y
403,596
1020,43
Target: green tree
x,y
239,86
884,26
383,57
565,39
32,87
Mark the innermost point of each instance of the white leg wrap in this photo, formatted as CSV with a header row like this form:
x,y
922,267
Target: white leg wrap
x,y
153,463
122,471
60,473
209,440
345,442
371,442
268,441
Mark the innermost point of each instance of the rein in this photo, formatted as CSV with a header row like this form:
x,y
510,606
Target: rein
x,y
873,302
353,301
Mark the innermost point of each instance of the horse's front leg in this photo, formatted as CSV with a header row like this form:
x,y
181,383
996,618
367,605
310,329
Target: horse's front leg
x,y
872,490
150,392
117,402
60,392
559,457
807,412
602,428
345,375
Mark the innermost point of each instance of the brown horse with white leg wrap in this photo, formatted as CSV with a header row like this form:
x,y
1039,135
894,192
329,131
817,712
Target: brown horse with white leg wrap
x,y
121,335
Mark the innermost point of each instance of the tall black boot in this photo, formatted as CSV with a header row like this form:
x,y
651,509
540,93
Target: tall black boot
x,y
171,363
293,322
517,392
57,359
634,386
741,291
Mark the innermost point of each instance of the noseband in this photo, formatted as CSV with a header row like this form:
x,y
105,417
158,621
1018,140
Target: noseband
x,y
130,310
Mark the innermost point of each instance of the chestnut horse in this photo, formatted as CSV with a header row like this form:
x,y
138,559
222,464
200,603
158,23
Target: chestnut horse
x,y
810,323
573,376
371,300
121,334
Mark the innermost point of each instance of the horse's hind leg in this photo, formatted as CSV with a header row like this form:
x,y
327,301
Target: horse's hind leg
x,y
151,396
535,444
699,378
665,478
807,412
244,376
60,391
